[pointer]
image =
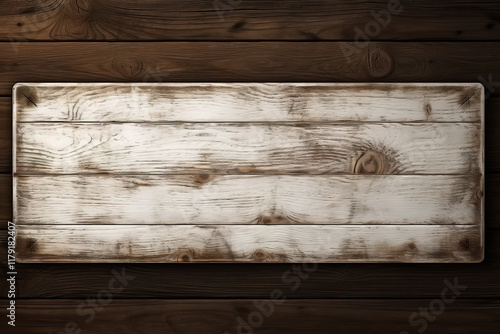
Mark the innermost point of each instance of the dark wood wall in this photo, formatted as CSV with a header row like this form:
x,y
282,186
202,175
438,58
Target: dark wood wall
x,y
245,41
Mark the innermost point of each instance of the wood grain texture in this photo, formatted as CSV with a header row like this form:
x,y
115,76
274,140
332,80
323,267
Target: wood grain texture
x,y
160,20
249,243
247,62
5,134
204,216
492,135
5,199
492,198
258,280
248,102
247,20
281,316
276,199
220,148
492,149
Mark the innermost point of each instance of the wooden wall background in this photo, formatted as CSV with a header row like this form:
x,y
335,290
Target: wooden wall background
x,y
253,40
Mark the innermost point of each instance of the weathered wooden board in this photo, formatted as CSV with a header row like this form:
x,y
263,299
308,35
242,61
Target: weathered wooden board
x,y
242,148
248,172
250,243
248,199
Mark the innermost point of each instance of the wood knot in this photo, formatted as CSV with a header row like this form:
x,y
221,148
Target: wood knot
x,y
128,67
26,96
411,246
273,220
186,255
247,169
26,245
83,6
428,109
260,255
378,62
479,194
203,179
370,162
238,26
465,244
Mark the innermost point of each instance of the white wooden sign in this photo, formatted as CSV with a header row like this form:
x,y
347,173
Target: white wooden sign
x,y
248,172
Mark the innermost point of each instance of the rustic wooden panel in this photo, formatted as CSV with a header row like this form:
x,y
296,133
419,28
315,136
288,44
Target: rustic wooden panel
x,y
449,315
220,148
241,280
201,213
248,102
237,199
247,20
249,243
256,61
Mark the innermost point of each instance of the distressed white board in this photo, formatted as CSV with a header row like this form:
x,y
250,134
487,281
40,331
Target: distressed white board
x,y
248,172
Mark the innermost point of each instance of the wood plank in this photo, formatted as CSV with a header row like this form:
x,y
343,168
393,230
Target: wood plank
x,y
220,148
249,243
492,149
247,20
250,61
5,199
273,199
492,135
5,134
450,314
240,280
244,102
492,198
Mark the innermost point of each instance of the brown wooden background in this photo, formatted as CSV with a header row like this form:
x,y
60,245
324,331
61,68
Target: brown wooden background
x,y
253,40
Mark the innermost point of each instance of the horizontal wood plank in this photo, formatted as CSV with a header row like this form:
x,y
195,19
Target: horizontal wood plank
x,y
252,61
279,315
5,135
249,243
5,199
247,20
492,112
240,280
254,102
219,148
273,199
492,199
492,134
